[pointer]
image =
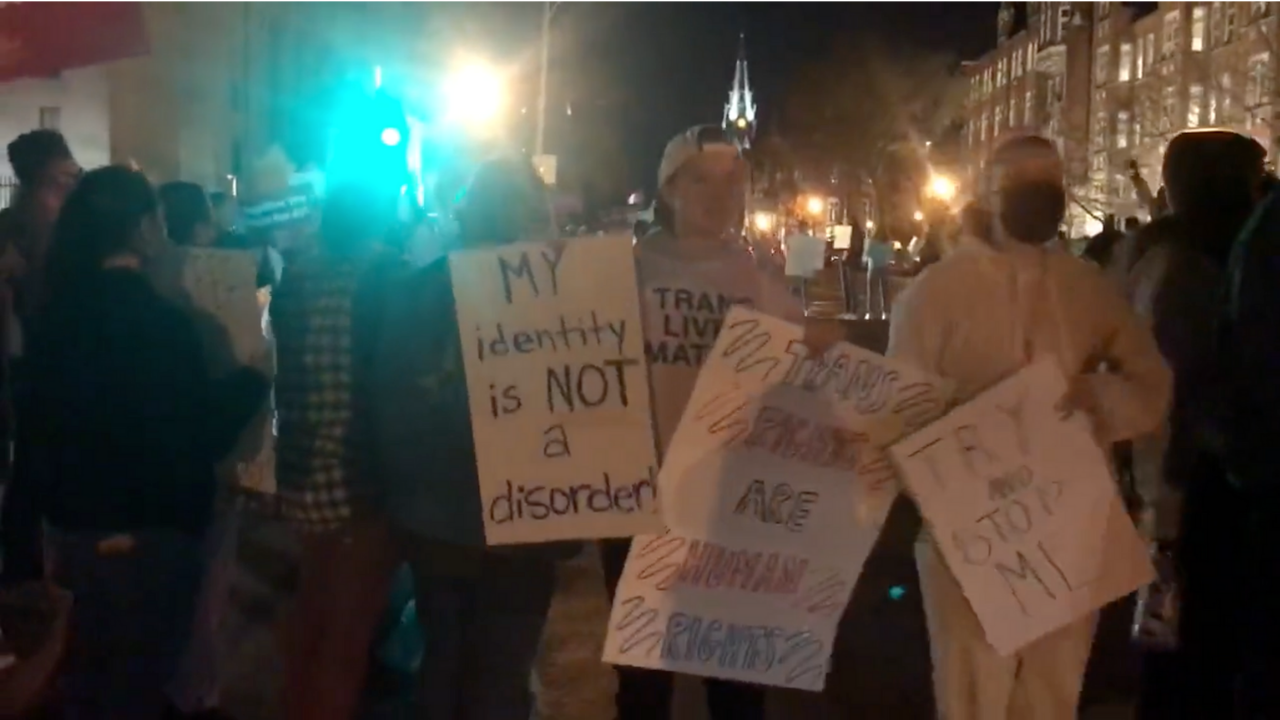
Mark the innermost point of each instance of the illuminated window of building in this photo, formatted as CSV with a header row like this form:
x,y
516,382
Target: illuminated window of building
x,y
1168,107
1000,66
1122,129
1172,33
1197,28
1126,62
1137,58
1195,104
1013,113
1257,88
1028,108
1031,55
1224,82
1101,64
983,132
1150,49
995,131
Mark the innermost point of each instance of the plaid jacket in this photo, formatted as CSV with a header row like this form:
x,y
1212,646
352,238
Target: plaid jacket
x,y
324,314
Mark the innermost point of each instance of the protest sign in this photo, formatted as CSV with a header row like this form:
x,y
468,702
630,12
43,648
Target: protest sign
x,y
782,485
219,288
554,358
1023,506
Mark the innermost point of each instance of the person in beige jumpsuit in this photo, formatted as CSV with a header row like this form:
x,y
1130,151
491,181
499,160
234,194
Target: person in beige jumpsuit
x,y
978,316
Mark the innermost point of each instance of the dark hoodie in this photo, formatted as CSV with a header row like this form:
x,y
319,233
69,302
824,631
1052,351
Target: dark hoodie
x,y
122,426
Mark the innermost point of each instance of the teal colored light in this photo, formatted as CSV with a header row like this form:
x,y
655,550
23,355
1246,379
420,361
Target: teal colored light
x,y
897,592
391,137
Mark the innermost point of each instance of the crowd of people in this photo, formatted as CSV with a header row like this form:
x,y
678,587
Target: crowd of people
x,y
118,423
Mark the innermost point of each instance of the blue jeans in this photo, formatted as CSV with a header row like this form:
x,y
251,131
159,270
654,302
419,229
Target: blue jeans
x,y
482,615
134,601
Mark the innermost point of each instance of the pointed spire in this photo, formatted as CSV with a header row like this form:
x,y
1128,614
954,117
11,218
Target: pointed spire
x,y
740,111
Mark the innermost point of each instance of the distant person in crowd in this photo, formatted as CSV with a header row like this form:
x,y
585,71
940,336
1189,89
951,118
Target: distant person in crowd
x,y
188,215
979,316
326,315
977,226
1101,246
851,267
697,253
46,172
121,430
878,256
1176,274
481,609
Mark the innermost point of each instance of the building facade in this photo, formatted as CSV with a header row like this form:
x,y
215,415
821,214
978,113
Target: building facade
x,y
1111,86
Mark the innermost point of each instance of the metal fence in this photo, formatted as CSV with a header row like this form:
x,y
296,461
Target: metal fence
x,y
8,188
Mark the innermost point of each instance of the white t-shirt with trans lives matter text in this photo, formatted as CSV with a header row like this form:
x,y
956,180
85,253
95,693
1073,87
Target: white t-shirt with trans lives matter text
x,y
685,294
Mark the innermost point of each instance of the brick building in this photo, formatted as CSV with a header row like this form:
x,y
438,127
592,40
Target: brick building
x,y
1112,82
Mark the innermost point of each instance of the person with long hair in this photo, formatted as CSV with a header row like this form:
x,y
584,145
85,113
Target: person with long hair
x,y
121,429
977,317
481,610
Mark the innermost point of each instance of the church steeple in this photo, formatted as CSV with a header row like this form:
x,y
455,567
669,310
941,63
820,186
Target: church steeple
x,y
740,111
1005,21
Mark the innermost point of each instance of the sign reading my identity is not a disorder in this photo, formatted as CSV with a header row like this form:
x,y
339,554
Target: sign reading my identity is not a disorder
x,y
783,483
554,356
1024,508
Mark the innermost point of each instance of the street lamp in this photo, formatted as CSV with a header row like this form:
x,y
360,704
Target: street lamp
x,y
918,216
539,139
942,187
475,95
815,205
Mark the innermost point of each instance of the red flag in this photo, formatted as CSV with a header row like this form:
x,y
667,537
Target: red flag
x,y
41,39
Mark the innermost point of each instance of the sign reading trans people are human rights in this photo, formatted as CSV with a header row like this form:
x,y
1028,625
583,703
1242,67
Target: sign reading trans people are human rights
x,y
783,484
554,355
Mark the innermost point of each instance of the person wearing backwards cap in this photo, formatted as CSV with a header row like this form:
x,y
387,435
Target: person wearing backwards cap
x,y
980,315
693,267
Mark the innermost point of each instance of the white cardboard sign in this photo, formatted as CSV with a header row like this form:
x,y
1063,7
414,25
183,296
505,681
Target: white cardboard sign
x,y
783,486
1025,509
554,355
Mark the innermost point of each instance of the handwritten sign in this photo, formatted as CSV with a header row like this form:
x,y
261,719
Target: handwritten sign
x,y
219,287
783,485
1024,508
554,358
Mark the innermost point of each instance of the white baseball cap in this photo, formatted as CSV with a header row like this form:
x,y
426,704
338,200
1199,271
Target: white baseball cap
x,y
697,139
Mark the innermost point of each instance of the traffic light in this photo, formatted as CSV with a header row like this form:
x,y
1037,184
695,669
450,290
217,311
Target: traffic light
x,y
370,141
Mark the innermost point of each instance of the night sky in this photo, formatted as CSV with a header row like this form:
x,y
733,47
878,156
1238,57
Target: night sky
x,y
658,68
637,73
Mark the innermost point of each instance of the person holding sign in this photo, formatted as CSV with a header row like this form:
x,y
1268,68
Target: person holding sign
x,y
693,269
977,317
481,608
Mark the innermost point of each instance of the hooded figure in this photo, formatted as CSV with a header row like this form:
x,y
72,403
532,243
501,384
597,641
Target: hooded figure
x,y
978,316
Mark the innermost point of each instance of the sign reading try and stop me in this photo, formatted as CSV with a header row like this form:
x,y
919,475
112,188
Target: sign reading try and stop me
x,y
1022,505
559,395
